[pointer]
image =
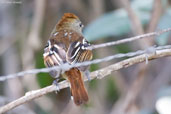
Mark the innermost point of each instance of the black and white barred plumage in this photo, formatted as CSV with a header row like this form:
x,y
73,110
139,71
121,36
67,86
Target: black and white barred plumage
x,y
66,47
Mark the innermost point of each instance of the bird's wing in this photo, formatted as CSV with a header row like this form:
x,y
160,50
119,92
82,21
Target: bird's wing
x,y
54,55
78,53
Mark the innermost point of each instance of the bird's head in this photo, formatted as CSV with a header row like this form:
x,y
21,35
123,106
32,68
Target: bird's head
x,y
71,22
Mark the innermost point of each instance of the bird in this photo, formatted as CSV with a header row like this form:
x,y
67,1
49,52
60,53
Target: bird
x,y
67,44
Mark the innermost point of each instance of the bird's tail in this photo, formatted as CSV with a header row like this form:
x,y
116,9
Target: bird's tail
x,y
78,89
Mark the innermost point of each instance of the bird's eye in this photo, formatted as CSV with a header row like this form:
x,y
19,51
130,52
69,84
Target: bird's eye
x,y
47,45
81,25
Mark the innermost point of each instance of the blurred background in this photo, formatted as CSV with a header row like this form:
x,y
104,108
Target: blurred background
x,y
25,26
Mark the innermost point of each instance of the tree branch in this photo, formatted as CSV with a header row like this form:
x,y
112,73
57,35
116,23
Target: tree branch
x,y
99,74
136,23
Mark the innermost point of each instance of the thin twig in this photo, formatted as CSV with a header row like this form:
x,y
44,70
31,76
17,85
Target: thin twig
x,y
96,74
157,33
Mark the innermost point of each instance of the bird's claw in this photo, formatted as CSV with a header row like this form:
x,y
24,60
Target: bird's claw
x,y
87,74
55,82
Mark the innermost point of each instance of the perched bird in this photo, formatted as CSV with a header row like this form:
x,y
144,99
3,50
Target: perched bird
x,y
68,45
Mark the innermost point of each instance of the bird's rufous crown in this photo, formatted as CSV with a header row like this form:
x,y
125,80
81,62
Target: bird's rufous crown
x,y
67,17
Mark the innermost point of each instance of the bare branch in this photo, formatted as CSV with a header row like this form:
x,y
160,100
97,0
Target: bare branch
x,y
96,74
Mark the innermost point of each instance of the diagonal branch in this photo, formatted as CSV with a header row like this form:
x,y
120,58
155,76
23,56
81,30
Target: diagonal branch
x,y
99,74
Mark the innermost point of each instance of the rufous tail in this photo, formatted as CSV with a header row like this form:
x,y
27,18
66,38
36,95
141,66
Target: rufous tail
x,y
78,89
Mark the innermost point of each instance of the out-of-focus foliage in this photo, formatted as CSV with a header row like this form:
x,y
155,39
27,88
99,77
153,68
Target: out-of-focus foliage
x,y
117,23
164,23
42,78
112,93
